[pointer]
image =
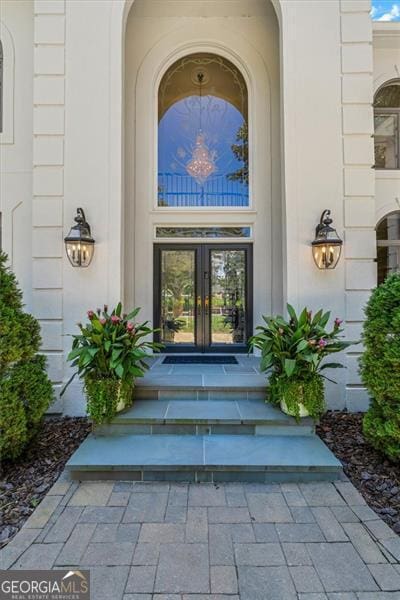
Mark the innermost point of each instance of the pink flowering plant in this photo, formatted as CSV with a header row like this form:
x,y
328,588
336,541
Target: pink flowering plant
x,y
294,352
109,353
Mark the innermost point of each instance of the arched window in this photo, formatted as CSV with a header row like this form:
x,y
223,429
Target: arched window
x,y
388,245
203,155
387,126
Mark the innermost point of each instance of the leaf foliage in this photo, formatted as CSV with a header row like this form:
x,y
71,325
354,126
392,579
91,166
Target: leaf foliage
x,y
111,348
380,367
293,350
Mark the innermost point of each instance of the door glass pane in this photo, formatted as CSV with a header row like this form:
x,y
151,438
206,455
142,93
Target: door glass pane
x,y
178,296
228,297
385,140
388,259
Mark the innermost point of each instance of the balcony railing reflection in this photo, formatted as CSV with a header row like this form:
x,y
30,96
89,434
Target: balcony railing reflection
x,y
182,191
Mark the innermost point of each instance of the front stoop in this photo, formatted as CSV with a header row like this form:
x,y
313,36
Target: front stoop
x,y
206,435
212,458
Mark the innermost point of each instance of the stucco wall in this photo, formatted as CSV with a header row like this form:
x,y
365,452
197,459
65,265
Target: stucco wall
x,y
321,152
48,182
16,33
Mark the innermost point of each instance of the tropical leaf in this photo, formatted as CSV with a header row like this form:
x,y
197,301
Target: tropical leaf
x,y
132,314
119,370
290,365
302,345
292,313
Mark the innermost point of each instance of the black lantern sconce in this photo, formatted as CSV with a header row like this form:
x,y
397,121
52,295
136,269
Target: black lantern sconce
x,y
79,243
327,245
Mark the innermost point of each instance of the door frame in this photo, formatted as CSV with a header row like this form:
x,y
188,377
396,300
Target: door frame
x,y
203,254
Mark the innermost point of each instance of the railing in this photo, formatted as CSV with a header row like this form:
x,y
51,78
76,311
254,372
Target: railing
x,y
182,190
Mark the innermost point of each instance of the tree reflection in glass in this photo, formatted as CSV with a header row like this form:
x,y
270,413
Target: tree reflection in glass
x,y
228,281
177,296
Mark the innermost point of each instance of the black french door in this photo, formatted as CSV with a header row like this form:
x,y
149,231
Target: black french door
x,y
202,297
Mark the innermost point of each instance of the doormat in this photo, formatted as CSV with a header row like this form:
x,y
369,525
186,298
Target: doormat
x,y
200,360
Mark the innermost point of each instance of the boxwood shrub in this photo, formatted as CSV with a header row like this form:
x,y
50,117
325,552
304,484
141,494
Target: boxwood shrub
x,y
13,430
380,367
25,390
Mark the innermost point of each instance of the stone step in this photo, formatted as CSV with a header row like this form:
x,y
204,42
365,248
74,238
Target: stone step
x,y
238,417
200,382
215,458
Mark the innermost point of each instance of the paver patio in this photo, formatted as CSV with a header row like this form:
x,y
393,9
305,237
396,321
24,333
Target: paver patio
x,y
177,541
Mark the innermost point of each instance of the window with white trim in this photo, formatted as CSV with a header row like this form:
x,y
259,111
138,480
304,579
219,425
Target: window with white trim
x,y
388,245
387,126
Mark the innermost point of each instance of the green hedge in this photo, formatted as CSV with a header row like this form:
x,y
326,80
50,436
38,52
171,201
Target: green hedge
x,y
25,395
25,390
380,367
34,389
13,431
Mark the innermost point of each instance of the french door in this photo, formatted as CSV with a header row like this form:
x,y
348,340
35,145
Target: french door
x,y
202,297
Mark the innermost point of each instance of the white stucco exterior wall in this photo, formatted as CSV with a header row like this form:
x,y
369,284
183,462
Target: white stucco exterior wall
x,y
16,33
318,118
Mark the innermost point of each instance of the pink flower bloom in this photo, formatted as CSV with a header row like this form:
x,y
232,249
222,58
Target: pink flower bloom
x,y
130,327
90,314
103,321
338,322
322,343
115,319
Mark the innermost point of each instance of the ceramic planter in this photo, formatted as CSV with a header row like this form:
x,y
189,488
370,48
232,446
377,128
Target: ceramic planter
x,y
303,412
303,398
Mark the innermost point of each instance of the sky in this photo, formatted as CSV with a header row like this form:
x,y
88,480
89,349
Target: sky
x,y
385,10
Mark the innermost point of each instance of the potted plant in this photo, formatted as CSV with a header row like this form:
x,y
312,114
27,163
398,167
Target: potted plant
x,y
109,353
171,327
294,350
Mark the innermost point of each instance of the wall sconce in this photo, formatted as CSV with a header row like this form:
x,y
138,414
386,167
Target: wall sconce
x,y
79,244
327,245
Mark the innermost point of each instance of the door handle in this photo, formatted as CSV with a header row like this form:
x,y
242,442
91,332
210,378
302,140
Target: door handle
x,y
199,303
206,304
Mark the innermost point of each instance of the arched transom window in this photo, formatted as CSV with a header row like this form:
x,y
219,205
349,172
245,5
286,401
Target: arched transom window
x,y
387,126
203,155
388,245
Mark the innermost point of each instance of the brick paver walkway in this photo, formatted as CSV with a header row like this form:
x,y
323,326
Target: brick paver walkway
x,y
144,541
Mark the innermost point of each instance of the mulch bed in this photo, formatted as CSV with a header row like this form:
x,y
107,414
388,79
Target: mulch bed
x,y
375,477
24,483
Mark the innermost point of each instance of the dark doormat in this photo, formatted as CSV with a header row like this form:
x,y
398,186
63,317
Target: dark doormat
x,y
199,360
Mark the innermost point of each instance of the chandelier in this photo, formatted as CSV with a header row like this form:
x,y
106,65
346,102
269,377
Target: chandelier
x,y
202,163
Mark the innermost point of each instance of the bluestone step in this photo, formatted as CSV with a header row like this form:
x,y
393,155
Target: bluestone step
x,y
200,384
204,458
198,418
